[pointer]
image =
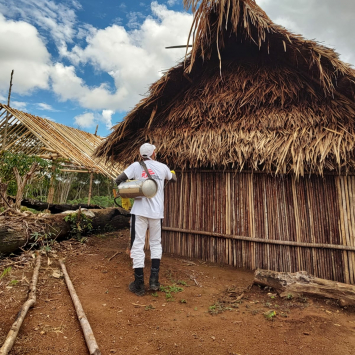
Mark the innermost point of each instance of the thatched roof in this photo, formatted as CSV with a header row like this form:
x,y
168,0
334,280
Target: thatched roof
x,y
249,94
33,135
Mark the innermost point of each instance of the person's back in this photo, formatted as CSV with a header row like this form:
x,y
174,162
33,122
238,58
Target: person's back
x,y
150,207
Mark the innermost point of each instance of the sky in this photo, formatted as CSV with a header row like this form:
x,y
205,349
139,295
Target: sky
x,y
84,63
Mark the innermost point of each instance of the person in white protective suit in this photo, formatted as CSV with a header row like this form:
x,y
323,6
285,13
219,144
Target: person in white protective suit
x,y
147,213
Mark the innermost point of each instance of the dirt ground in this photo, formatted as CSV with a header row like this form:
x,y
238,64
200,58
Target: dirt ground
x,y
203,309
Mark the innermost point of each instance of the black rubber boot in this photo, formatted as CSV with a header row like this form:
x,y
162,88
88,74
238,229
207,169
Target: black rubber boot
x,y
137,286
154,279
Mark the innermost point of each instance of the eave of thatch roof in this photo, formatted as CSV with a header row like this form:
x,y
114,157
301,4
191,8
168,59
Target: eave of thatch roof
x,y
250,94
33,135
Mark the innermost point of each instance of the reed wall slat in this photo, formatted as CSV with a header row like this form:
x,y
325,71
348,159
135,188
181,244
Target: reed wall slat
x,y
258,220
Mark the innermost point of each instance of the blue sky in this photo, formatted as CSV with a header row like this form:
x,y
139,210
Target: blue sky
x,y
83,63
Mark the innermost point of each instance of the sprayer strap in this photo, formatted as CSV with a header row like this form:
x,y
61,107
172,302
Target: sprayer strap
x,y
142,163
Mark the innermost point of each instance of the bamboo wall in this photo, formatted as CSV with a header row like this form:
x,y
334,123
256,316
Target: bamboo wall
x,y
259,221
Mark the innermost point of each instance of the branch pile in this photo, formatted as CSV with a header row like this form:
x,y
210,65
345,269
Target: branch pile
x,y
17,227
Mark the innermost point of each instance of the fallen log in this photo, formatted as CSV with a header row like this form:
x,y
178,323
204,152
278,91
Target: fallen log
x,y
14,236
53,208
302,284
11,336
85,325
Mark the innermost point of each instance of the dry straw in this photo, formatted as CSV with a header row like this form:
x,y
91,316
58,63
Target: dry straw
x,y
249,94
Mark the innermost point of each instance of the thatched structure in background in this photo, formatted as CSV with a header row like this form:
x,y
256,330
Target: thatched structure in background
x,y
253,97
33,135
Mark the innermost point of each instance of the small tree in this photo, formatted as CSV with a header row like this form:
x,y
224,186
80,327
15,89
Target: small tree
x,y
17,169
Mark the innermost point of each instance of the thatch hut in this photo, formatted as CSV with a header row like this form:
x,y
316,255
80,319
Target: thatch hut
x,y
260,122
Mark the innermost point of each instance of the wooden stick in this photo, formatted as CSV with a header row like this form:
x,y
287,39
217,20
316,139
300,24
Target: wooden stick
x,y
7,114
11,336
90,188
85,325
113,256
74,171
259,240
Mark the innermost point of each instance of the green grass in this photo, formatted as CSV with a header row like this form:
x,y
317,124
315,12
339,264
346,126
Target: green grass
x,y
6,272
169,290
218,307
269,315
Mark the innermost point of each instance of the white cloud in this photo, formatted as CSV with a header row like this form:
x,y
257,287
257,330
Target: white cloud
x,y
134,59
172,2
86,120
91,119
45,107
76,4
18,105
134,19
57,19
107,118
327,21
22,50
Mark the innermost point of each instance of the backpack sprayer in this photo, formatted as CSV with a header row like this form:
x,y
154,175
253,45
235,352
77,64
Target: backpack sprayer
x,y
138,188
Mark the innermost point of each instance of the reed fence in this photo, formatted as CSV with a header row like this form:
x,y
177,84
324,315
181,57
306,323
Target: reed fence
x,y
261,221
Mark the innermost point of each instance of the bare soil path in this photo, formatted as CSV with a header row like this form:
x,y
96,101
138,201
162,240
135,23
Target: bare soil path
x,y
201,310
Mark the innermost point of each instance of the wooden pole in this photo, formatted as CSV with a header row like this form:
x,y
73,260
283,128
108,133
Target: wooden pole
x,y
96,129
74,171
7,114
90,188
85,325
260,240
11,336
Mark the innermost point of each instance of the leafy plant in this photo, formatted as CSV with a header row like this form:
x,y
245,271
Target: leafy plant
x,y
79,224
44,241
181,282
269,315
217,308
169,290
13,282
6,272
183,301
